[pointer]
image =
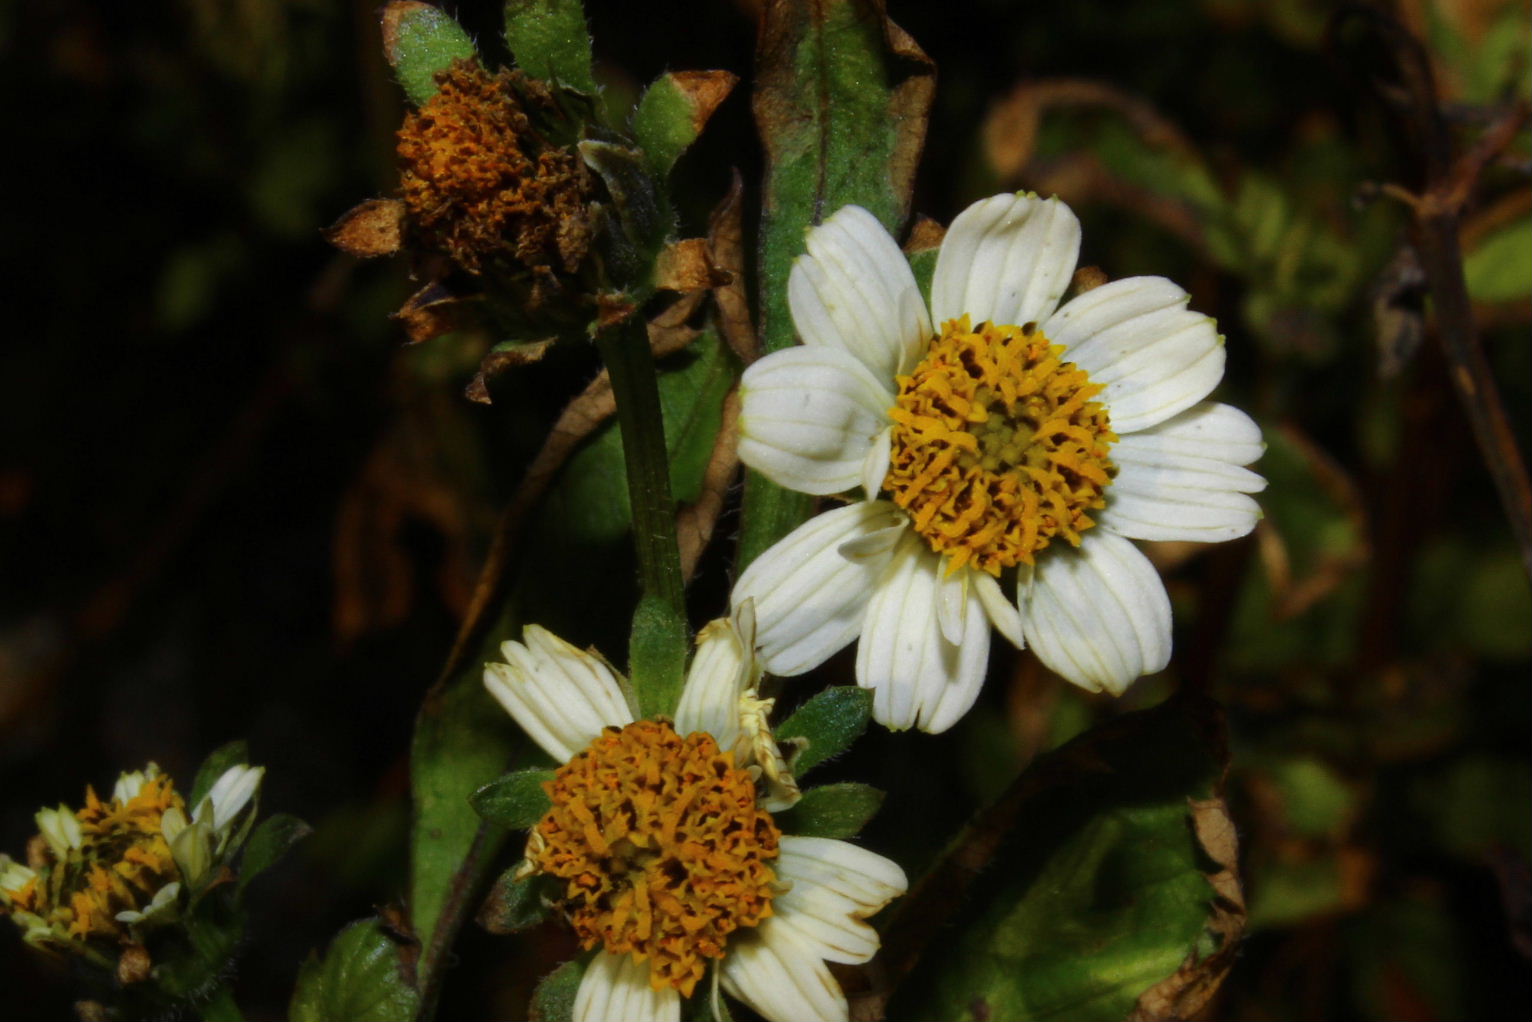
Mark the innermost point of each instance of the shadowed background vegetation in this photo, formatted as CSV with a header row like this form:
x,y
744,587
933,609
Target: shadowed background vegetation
x,y
234,504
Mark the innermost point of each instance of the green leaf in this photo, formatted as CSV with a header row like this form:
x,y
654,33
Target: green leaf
x,y
834,810
672,111
515,801
841,102
1499,269
359,978
268,843
516,904
553,1000
191,958
923,265
463,740
830,721
419,40
1107,896
549,40
235,753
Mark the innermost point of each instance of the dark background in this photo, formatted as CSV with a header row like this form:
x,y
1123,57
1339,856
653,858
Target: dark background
x,y
233,504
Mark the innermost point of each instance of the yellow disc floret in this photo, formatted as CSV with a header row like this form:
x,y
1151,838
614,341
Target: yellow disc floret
x,y
661,846
997,446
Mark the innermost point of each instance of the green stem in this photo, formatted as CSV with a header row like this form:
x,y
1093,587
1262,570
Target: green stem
x,y
657,652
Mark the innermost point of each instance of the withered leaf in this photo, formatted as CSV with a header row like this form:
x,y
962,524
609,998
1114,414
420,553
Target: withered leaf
x,y
695,521
433,311
726,241
373,228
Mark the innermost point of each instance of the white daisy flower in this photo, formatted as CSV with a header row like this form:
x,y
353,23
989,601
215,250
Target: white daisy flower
x,y
663,838
998,436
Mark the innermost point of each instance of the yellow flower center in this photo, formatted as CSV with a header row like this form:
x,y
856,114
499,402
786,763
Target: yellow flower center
x,y
123,860
997,446
661,846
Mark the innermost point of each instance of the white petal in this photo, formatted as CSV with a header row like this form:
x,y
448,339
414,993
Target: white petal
x,y
809,416
864,880
808,597
229,794
1182,480
1002,612
561,696
616,989
723,667
917,676
775,971
854,291
1136,336
1098,615
1006,259
875,465
952,603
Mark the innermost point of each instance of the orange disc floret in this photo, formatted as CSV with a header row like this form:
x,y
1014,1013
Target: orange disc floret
x,y
661,847
997,446
480,183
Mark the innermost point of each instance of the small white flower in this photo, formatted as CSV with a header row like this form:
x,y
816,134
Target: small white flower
x,y
1016,437
161,909
61,829
773,908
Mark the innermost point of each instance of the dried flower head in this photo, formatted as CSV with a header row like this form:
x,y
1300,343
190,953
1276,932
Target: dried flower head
x,y
479,182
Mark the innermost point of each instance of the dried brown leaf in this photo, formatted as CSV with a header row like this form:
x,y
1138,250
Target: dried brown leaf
x,y
373,228
695,521
704,91
501,359
431,312
726,240
685,265
925,235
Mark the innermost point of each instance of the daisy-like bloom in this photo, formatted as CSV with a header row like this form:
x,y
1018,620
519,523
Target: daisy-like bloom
x,y
98,878
662,843
998,437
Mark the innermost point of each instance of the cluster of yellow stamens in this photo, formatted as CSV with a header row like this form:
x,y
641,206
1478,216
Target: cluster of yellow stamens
x,y
997,446
123,859
661,846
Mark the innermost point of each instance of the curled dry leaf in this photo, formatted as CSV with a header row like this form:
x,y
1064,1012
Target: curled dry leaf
x,y
726,243
925,235
704,91
685,265
431,312
695,521
501,358
373,228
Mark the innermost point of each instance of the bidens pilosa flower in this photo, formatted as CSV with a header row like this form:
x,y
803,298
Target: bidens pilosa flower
x,y
998,437
99,878
661,842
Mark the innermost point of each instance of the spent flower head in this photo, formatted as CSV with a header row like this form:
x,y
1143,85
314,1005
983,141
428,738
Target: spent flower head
x,y
660,845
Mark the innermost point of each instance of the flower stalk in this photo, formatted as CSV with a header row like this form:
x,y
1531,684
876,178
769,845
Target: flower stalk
x,y
658,648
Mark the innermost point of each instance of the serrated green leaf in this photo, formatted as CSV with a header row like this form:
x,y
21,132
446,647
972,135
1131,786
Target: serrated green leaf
x,y
549,40
359,979
270,840
419,40
514,801
842,116
516,904
1103,893
553,1000
672,111
235,753
830,721
834,810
